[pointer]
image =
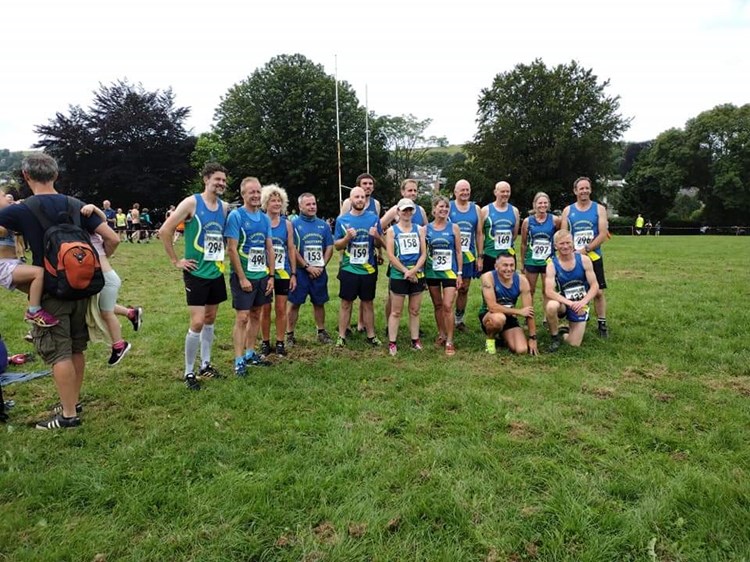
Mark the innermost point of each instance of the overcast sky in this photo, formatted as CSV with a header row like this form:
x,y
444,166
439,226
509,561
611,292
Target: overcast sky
x,y
667,60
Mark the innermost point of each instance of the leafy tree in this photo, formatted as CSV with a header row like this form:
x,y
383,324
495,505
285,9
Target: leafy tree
x,y
540,128
279,124
130,145
686,207
407,144
208,148
719,144
657,175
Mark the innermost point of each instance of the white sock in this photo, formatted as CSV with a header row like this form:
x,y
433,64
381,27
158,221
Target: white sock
x,y
192,341
207,341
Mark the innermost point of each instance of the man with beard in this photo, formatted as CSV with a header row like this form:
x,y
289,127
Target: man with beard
x,y
202,267
357,233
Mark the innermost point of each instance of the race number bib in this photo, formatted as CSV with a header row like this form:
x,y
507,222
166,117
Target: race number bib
x,y
213,246
442,260
256,260
314,256
279,257
574,292
503,239
541,249
359,253
408,243
465,241
583,238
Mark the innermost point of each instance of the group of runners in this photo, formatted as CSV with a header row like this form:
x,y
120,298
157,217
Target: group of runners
x,y
277,263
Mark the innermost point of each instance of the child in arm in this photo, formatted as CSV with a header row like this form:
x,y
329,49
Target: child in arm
x,y
29,278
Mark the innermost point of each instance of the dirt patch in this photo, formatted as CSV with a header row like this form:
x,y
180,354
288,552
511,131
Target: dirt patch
x,y
601,392
520,430
393,525
285,541
651,372
529,511
740,385
532,550
491,556
664,397
371,417
325,532
357,530
679,456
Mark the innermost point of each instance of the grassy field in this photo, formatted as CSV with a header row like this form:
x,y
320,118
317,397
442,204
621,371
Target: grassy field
x,y
635,448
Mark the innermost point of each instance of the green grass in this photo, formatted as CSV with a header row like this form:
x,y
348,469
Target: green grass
x,y
631,449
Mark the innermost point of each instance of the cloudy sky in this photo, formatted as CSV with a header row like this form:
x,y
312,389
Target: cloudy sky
x,y
667,60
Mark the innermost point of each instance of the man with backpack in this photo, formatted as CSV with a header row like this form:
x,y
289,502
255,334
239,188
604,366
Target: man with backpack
x,y
57,233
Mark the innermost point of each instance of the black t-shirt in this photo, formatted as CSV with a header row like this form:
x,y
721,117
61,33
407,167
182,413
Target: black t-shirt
x,y
19,218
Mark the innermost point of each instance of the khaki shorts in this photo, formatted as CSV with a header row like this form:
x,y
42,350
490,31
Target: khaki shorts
x,y
69,337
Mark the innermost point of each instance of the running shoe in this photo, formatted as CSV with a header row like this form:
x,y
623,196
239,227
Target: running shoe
x,y
265,348
59,422
392,349
374,341
603,332
41,318
191,381
209,372
291,341
417,345
118,354
240,369
256,360
340,342
450,349
280,349
440,341
555,344
324,337
136,318
489,346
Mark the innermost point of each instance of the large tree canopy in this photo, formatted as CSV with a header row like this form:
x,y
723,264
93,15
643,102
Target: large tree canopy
x,y
719,144
279,124
655,178
130,146
540,128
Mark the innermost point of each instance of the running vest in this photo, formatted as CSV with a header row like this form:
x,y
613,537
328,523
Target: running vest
x,y
372,207
539,241
250,230
312,236
406,249
204,239
571,284
441,253
280,240
359,255
505,296
498,231
584,226
467,223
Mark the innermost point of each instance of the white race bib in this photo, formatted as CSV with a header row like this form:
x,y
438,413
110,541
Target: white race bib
x,y
408,243
314,256
442,260
503,239
213,246
574,292
583,238
541,249
256,260
279,257
465,241
359,253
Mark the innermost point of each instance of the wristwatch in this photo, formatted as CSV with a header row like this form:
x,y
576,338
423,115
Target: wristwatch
x,y
532,337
